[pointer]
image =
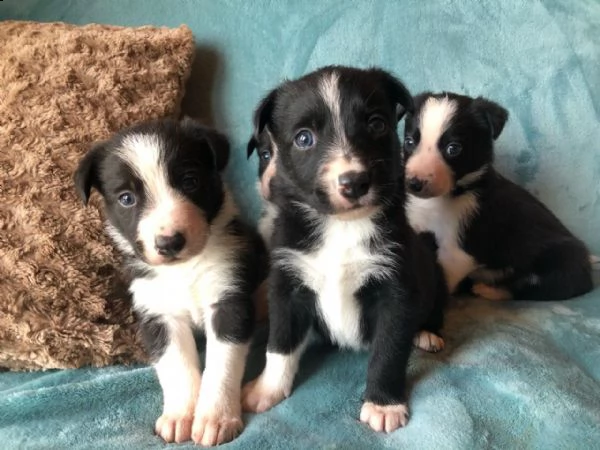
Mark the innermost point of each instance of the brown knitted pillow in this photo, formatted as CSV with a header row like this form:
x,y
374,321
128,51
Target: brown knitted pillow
x,y
62,88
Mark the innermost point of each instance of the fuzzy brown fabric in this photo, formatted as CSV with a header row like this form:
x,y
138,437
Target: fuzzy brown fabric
x,y
62,88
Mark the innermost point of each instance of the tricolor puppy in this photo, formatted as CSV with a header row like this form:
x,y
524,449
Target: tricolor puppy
x,y
194,265
344,261
487,228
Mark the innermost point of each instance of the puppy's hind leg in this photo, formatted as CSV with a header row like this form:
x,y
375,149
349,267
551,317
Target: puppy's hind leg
x,y
561,272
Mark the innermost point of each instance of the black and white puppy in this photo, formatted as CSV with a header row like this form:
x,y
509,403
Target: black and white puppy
x,y
194,265
487,228
344,261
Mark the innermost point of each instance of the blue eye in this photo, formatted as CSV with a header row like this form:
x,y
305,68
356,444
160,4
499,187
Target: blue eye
x,y
265,155
304,140
377,124
190,182
127,199
409,144
453,149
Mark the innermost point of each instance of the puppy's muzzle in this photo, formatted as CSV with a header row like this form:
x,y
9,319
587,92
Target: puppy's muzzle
x,y
353,185
169,245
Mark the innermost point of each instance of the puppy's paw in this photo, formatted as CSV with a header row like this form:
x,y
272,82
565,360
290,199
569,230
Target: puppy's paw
x,y
258,397
214,427
384,417
491,292
174,427
428,341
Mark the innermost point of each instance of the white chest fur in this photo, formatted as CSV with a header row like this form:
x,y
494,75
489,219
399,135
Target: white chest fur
x,y
445,217
188,289
336,271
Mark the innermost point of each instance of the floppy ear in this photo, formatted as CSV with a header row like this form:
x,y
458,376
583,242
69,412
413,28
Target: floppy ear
x,y
218,143
86,176
262,116
399,94
494,115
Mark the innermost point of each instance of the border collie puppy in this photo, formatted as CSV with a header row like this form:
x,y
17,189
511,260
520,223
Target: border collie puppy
x,y
487,228
344,261
194,265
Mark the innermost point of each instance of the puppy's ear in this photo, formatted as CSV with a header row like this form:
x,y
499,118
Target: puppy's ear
x,y
87,174
400,95
218,142
494,115
262,117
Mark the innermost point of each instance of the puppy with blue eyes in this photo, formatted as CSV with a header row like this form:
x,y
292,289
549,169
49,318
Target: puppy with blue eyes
x,y
488,229
194,265
344,262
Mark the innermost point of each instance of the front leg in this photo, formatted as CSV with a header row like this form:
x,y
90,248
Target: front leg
x,y
384,407
229,326
170,341
290,320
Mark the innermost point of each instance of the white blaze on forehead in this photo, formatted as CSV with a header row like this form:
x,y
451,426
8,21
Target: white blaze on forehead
x,y
434,120
144,153
330,92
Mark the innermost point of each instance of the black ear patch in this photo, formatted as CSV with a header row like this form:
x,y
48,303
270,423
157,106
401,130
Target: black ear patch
x,y
218,143
399,94
87,174
494,115
262,117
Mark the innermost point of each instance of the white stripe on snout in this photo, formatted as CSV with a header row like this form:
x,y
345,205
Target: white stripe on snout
x,y
330,91
434,119
144,154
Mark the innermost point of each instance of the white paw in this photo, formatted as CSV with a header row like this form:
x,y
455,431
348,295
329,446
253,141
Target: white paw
x,y
258,397
428,341
384,417
174,427
490,292
216,427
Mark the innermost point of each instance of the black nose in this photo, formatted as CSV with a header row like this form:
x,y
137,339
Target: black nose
x,y
353,185
414,184
169,245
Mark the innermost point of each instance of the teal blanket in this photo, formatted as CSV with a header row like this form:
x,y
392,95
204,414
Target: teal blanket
x,y
513,375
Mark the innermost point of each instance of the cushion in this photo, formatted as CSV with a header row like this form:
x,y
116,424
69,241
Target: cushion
x,y
63,87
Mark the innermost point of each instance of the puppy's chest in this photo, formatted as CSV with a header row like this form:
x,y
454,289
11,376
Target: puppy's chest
x,y
184,290
447,219
335,271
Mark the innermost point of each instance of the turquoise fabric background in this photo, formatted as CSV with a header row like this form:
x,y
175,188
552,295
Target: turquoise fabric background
x,y
514,375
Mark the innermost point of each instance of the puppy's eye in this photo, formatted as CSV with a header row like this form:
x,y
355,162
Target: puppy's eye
x,y
190,182
127,199
453,149
304,140
409,144
265,155
377,125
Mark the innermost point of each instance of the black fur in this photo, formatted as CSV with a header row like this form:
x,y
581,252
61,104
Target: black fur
x,y
393,308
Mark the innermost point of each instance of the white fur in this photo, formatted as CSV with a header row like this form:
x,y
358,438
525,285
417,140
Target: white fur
x,y
193,286
276,381
446,217
471,177
266,222
120,241
337,270
434,119
178,369
330,92
384,417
